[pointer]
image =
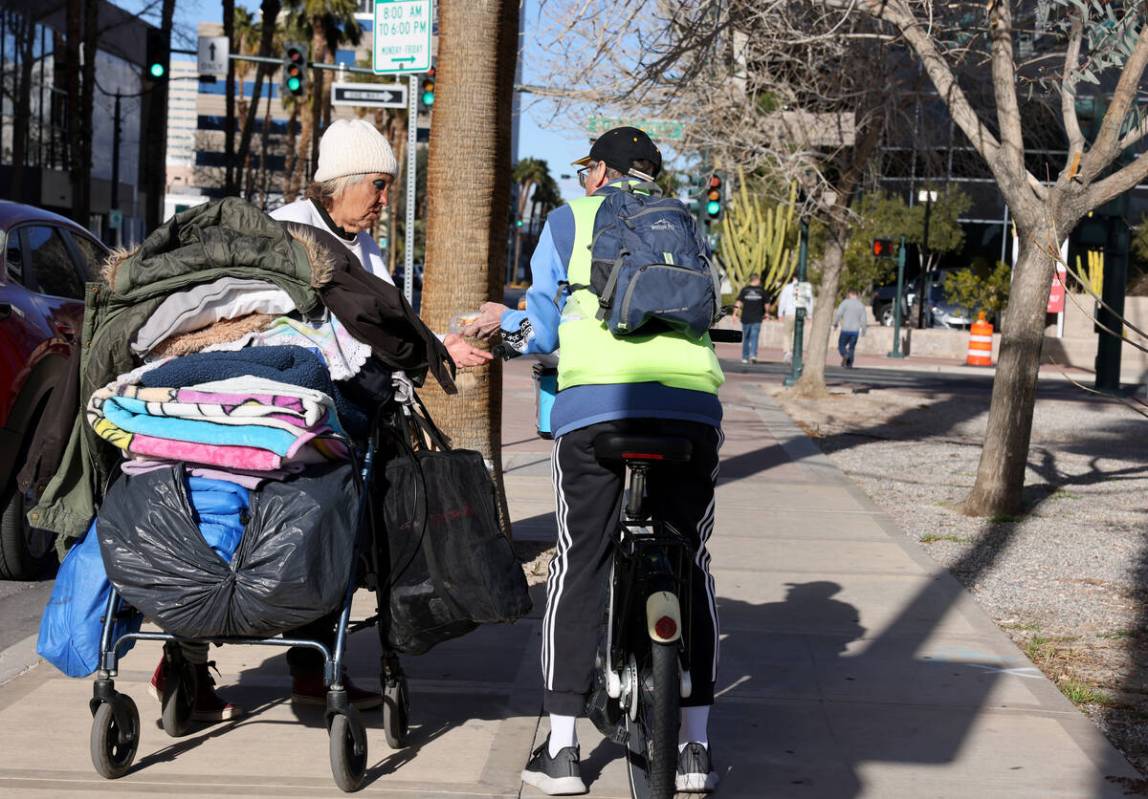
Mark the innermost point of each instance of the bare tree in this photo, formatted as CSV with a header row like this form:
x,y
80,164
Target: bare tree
x,y
778,90
1074,43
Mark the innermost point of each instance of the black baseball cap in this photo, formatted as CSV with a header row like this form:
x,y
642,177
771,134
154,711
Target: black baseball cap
x,y
619,148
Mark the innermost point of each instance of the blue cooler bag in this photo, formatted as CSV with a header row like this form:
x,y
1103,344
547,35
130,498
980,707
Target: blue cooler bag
x,y
73,619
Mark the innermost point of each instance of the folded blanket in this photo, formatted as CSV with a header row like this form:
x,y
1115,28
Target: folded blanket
x,y
342,352
285,410
249,480
203,304
292,365
248,459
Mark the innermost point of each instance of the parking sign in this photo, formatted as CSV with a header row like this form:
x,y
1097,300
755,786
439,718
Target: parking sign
x,y
403,36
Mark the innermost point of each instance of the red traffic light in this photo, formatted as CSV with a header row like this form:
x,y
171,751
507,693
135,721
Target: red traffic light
x,y
715,183
884,248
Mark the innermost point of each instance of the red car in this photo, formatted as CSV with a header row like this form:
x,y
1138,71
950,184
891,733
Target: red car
x,y
46,261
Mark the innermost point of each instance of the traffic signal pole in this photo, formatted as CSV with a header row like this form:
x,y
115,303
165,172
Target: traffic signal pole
x,y
797,365
896,353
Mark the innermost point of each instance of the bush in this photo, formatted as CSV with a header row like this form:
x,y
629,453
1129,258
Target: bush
x,y
979,289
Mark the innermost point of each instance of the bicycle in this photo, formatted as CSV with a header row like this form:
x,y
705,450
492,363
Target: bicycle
x,y
644,669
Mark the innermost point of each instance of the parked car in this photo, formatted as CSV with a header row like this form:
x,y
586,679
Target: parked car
x,y
940,312
46,261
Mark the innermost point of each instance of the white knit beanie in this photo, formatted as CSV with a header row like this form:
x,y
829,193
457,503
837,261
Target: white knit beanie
x,y
353,147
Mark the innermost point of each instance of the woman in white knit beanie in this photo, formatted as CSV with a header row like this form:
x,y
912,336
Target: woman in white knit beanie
x,y
349,191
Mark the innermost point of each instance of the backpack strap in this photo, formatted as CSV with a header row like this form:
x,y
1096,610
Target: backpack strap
x,y
567,288
607,298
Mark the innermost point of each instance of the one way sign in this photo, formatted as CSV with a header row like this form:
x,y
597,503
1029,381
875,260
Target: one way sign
x,y
369,95
213,54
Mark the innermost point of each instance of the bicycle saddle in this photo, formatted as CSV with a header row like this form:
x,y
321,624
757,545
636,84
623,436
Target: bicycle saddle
x,y
664,449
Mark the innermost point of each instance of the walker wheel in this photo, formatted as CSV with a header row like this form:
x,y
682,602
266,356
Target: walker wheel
x,y
396,713
113,747
348,752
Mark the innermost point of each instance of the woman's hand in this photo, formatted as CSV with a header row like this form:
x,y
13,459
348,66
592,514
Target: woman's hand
x,y
488,322
463,354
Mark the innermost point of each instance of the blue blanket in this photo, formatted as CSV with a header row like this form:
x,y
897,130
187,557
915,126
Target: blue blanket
x,y
297,366
131,415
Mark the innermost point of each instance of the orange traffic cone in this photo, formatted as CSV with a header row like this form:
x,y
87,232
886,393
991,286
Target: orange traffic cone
x,y
980,342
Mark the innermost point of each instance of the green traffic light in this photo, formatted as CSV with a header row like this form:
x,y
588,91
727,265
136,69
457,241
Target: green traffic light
x,y
518,223
294,84
713,208
157,70
428,98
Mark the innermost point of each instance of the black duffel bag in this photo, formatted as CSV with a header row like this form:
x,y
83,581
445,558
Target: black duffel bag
x,y
451,567
291,567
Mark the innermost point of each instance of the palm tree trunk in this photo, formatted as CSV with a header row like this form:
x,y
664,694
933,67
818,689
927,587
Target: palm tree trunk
x,y
999,485
468,202
229,103
318,55
270,13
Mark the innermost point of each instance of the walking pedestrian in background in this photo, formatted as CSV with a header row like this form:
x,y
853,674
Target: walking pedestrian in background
x,y
750,309
787,312
853,319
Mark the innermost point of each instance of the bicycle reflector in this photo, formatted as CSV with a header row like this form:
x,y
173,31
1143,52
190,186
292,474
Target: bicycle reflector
x,y
294,75
666,628
884,248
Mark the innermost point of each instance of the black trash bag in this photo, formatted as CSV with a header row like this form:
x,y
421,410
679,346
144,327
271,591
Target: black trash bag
x,y
291,567
451,568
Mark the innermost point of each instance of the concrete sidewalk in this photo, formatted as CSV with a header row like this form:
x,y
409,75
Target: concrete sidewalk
x,y
851,666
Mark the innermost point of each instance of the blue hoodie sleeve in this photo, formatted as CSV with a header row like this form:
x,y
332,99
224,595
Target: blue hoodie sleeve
x,y
544,303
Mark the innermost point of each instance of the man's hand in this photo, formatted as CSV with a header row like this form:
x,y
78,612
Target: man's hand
x,y
488,322
463,354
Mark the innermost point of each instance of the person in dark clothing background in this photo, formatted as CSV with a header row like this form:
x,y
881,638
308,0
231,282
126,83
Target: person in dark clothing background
x,y
750,309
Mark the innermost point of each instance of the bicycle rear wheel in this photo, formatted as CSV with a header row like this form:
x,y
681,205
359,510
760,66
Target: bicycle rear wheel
x,y
653,742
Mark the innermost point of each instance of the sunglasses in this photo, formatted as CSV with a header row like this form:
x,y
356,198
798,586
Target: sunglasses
x,y
379,183
583,174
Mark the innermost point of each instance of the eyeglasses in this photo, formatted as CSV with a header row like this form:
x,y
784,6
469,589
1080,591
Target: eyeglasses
x,y
583,174
379,183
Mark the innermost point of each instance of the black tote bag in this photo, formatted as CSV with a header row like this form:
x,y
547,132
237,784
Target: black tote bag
x,y
451,568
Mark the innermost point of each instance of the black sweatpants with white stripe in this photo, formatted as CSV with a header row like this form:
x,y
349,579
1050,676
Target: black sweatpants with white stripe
x,y
589,503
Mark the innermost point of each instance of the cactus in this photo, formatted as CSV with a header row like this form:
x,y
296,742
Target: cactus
x,y
1095,271
754,239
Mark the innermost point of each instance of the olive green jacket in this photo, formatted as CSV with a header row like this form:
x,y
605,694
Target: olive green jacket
x,y
199,245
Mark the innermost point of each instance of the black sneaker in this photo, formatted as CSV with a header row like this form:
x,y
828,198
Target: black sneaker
x,y
555,776
695,770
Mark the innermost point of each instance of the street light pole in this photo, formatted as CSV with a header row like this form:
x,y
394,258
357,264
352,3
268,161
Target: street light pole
x,y
796,364
896,353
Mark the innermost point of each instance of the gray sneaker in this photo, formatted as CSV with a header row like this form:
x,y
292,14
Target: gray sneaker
x,y
555,776
695,770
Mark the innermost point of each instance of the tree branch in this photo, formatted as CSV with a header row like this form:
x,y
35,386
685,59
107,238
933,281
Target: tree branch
x,y
960,109
1107,145
1068,94
1004,87
1125,179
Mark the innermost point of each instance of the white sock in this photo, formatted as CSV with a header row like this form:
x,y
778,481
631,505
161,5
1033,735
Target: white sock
x,y
562,733
694,727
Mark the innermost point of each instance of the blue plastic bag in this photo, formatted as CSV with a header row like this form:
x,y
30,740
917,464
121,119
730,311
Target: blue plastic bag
x,y
71,626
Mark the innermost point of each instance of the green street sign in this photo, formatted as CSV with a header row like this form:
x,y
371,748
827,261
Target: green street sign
x,y
663,129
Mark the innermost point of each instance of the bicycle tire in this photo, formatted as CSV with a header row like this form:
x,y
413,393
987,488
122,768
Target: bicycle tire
x,y
653,745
